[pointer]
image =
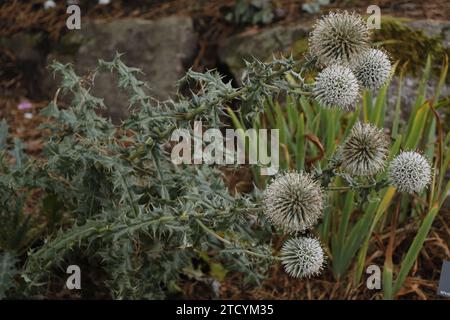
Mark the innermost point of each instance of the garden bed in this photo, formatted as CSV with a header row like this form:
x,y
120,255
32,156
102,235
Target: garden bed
x,y
208,276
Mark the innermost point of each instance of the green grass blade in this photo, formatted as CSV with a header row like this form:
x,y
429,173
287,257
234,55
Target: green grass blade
x,y
398,102
417,127
300,152
381,209
415,248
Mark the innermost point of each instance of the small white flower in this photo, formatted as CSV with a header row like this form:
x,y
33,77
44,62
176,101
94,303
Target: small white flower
x,y
365,150
410,172
373,70
339,37
49,4
336,86
293,201
302,257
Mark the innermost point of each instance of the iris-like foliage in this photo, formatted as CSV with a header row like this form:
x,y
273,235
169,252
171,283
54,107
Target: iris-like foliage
x,y
410,172
339,38
302,257
365,150
293,201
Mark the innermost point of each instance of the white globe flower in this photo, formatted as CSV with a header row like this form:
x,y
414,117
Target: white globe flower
x,y
339,37
49,4
302,257
365,150
336,86
293,201
373,70
410,172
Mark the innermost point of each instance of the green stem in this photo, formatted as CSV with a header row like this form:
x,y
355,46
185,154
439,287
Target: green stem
x,y
164,192
378,186
227,242
132,203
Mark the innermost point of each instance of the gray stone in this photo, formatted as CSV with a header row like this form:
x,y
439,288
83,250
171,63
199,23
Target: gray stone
x,y
433,28
408,96
260,44
162,49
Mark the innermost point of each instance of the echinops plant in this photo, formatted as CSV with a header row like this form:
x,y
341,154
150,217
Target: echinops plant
x,y
365,150
336,86
302,257
293,201
112,194
373,69
369,169
339,38
410,172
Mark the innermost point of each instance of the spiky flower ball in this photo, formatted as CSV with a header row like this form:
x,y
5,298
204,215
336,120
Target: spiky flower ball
x,y
373,69
302,257
365,150
336,86
339,37
293,201
410,172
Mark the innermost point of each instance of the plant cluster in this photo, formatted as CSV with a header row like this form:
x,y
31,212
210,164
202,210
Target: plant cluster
x,y
358,159
294,201
112,196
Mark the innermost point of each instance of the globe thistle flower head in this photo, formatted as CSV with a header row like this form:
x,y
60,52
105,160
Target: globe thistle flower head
x,y
410,172
365,150
336,86
339,37
293,201
373,69
302,257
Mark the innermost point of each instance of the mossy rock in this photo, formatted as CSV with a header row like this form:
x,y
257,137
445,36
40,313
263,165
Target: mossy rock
x,y
405,43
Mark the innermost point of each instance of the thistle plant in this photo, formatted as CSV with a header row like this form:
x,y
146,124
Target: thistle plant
x,y
339,38
410,172
112,194
373,69
357,166
302,257
336,86
365,150
115,196
340,41
293,201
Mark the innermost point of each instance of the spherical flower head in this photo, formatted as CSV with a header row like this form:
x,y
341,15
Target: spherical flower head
x,y
293,201
410,172
373,69
302,257
365,150
336,86
339,37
